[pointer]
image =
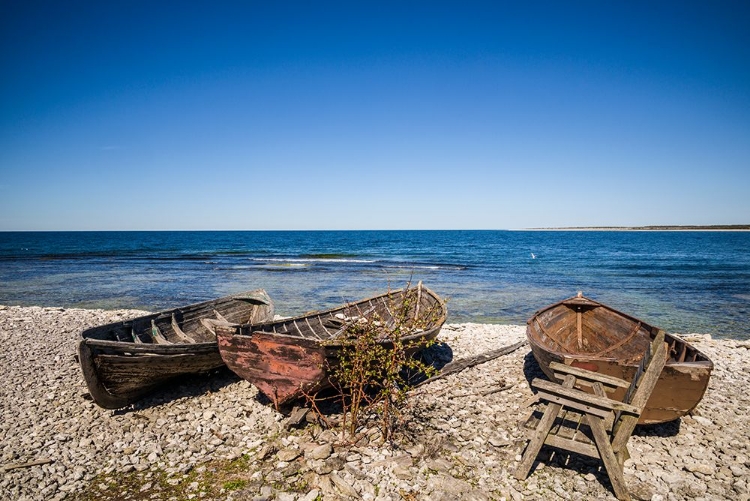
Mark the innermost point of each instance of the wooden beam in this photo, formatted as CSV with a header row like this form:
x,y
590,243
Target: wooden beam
x,y
578,397
590,376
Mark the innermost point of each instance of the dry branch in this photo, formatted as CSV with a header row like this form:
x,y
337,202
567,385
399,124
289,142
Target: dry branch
x,y
464,363
29,464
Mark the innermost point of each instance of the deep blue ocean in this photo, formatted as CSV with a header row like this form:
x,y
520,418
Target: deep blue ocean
x,y
683,281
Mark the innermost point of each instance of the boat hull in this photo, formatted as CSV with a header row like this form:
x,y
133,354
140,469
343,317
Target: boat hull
x,y
163,346
553,336
281,368
286,366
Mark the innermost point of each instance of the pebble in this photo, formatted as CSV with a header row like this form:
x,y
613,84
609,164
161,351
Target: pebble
x,y
461,440
320,452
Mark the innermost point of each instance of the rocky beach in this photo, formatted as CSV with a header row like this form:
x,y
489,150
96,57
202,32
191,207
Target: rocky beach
x,y
211,438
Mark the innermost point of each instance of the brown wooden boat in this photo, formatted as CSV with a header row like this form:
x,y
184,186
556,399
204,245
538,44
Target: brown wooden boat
x,y
584,333
123,361
284,359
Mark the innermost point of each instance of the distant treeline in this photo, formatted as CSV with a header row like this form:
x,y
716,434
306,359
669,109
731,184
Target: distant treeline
x,y
716,227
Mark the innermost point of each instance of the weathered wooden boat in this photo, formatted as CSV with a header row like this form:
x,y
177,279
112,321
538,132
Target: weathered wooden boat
x,y
123,361
584,333
287,358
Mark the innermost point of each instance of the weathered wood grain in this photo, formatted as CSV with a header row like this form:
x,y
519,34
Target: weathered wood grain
x,y
593,424
287,358
612,343
123,361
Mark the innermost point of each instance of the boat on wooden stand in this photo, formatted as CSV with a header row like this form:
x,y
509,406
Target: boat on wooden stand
x,y
583,333
287,358
123,361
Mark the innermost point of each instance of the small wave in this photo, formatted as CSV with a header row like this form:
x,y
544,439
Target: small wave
x,y
335,256
427,266
269,266
311,260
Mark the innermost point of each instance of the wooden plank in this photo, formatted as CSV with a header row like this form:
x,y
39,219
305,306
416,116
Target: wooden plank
x,y
115,347
219,316
578,397
622,342
572,445
609,459
178,331
419,300
28,464
157,336
136,339
645,385
611,381
540,435
601,392
464,363
551,397
569,422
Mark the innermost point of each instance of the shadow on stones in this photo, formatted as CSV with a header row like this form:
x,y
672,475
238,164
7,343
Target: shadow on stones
x,y
531,368
668,429
566,460
328,401
436,356
188,386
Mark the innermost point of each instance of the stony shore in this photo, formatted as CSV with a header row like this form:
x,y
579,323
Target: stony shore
x,y
210,438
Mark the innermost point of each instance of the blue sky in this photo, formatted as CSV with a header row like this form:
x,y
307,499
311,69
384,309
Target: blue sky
x,y
378,115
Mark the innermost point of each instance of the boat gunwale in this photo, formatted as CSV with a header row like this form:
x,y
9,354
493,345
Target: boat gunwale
x,y
165,349
334,342
85,335
581,356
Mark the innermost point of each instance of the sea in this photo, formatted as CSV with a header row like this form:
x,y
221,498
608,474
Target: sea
x,y
682,281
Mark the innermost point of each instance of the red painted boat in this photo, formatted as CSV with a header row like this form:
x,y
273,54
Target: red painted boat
x,y
286,358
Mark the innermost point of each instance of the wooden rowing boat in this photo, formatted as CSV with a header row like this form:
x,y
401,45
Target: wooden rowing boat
x,y
287,358
584,333
123,361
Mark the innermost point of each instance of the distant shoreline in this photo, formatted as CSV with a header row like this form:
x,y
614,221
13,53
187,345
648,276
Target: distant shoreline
x,y
718,227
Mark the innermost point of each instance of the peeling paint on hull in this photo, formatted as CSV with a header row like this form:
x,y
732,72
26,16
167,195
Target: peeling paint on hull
x,y
287,358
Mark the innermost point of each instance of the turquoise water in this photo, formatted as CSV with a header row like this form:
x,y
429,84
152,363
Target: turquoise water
x,y
682,281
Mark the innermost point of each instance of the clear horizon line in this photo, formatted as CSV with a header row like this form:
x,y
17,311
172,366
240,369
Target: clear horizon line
x,y
653,227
